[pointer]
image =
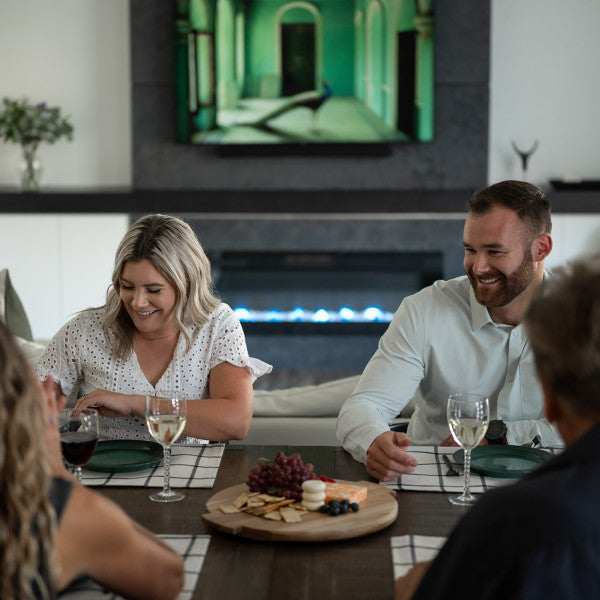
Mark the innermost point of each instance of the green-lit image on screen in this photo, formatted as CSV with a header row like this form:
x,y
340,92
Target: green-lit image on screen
x,y
256,72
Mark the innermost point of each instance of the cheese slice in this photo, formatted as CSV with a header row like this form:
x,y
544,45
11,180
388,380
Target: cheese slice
x,y
345,491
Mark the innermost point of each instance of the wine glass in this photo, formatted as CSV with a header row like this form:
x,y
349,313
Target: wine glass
x,y
78,429
165,418
468,416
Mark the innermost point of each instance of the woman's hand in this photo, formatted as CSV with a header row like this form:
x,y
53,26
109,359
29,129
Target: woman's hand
x,y
52,404
112,404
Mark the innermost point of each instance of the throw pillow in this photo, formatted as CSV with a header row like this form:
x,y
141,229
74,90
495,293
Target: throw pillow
x,y
11,309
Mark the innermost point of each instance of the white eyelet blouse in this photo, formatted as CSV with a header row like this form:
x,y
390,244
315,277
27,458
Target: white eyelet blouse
x,y
80,358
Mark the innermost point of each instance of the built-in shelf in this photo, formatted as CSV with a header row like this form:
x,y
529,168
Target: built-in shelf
x,y
211,201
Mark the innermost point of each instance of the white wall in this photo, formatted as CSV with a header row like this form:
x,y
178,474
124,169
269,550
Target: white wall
x,y
545,85
59,264
73,54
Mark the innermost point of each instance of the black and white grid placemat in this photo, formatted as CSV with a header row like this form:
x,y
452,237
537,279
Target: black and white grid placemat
x,y
191,467
193,548
410,549
430,474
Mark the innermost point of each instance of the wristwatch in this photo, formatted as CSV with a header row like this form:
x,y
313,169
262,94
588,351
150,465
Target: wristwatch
x,y
496,432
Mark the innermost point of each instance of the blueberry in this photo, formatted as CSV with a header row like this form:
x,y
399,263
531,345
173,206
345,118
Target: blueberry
x,y
345,503
334,511
355,506
325,508
334,503
343,508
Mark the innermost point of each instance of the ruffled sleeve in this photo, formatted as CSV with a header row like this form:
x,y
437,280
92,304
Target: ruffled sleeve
x,y
229,344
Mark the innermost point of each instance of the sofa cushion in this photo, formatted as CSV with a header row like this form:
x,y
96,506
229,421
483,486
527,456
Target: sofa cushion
x,y
11,309
291,431
322,400
31,350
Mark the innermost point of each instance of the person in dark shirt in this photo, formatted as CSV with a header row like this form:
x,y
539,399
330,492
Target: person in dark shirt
x,y
539,538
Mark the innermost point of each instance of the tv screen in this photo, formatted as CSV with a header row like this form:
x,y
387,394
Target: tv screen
x,y
309,73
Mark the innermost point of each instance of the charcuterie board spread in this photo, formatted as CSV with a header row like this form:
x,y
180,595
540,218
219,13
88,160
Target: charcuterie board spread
x,y
377,510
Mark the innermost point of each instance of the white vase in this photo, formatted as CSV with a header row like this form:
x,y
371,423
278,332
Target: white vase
x,y
31,169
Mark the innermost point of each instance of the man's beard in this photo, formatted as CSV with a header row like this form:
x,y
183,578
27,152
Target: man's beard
x,y
509,286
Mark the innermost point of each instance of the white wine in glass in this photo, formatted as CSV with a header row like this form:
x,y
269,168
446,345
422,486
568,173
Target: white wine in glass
x,y
165,417
468,417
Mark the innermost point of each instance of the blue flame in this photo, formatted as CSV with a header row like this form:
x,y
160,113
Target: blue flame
x,y
345,314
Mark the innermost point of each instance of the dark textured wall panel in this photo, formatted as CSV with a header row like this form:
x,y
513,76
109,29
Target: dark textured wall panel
x,y
456,159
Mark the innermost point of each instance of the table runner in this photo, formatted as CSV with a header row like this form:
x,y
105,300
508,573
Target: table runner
x,y
430,474
192,466
193,548
410,549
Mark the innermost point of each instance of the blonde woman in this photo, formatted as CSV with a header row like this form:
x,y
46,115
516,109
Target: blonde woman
x,y
47,537
160,329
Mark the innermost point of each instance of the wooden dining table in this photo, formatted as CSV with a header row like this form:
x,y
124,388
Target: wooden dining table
x,y
240,568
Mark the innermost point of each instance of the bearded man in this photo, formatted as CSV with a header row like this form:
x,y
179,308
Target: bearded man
x,y
461,335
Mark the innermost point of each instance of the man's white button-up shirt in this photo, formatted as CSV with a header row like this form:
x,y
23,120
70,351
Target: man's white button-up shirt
x,y
442,341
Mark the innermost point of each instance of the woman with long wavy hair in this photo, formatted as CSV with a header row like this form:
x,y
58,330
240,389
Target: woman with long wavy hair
x,y
161,328
27,518
47,538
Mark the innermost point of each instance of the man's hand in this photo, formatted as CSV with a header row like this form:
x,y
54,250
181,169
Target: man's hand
x,y
387,457
406,586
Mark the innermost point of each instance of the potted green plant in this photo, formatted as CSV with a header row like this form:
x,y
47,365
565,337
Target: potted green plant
x,y
29,124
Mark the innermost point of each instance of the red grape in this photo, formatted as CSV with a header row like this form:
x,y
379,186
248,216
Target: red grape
x,y
283,476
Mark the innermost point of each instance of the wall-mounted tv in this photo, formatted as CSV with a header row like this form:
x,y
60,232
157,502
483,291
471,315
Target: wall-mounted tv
x,y
318,73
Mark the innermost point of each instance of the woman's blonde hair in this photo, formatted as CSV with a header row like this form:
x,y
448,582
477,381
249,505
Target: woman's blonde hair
x,y
172,247
27,519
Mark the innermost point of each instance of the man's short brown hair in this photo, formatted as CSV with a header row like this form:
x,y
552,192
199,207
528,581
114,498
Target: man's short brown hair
x,y
525,199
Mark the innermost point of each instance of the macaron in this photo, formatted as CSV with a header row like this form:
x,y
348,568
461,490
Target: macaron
x,y
313,486
312,505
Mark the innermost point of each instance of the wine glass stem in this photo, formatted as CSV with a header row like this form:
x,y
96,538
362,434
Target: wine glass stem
x,y
167,455
78,473
467,491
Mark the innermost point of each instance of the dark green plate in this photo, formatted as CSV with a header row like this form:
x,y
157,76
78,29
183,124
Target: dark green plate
x,y
121,456
498,460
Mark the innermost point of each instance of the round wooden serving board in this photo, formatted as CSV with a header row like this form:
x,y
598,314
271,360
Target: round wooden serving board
x,y
376,512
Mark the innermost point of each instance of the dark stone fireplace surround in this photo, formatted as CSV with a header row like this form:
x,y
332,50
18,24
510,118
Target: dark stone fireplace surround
x,y
455,160
305,359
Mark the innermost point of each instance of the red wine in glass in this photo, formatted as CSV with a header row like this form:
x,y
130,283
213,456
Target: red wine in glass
x,y
78,447
78,430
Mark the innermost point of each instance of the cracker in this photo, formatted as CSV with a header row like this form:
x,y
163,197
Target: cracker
x,y
254,502
269,498
273,515
266,508
240,500
290,515
229,509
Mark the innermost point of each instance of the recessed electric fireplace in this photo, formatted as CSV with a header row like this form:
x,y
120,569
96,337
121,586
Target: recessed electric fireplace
x,y
318,314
